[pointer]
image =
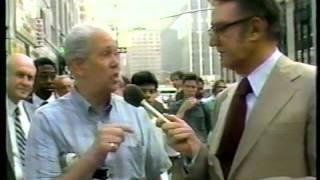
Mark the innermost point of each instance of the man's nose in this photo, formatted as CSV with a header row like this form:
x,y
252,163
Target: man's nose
x,y
26,81
116,62
147,95
213,39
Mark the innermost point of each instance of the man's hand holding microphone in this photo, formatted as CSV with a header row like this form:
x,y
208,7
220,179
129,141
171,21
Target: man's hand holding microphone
x,y
181,136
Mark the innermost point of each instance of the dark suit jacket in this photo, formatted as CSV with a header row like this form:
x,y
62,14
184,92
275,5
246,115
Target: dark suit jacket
x,y
29,110
279,140
9,171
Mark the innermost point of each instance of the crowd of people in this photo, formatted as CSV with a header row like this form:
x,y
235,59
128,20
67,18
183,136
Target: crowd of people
x,y
262,127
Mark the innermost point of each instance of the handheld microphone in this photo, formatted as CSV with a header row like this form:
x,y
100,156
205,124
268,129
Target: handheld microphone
x,y
134,96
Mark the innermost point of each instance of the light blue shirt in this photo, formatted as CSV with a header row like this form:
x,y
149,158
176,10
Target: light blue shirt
x,y
69,124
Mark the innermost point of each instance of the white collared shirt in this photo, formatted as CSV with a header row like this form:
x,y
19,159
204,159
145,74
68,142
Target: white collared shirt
x,y
11,144
37,101
258,77
25,121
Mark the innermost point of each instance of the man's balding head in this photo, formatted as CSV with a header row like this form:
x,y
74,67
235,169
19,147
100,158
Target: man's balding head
x,y
20,76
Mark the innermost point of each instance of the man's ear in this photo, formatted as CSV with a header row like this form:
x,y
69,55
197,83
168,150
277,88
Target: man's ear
x,y
257,29
76,67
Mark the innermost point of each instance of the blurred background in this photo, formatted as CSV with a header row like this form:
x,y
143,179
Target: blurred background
x,y
161,36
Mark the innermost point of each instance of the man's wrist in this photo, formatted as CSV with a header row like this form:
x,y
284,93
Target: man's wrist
x,y
95,158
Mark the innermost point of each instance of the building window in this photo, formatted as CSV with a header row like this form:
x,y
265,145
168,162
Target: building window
x,y
303,31
283,22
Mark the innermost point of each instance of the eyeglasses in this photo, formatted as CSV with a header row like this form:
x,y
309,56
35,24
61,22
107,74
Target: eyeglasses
x,y
218,28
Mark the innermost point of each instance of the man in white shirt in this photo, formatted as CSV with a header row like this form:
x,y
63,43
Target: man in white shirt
x,y
44,82
20,78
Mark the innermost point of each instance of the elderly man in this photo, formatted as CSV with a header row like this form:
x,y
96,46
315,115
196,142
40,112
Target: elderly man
x,y
20,78
90,133
63,85
265,126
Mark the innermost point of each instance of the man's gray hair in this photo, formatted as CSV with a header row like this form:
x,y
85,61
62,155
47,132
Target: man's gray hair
x,y
77,45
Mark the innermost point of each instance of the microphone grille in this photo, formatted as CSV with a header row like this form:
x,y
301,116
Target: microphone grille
x,y
133,95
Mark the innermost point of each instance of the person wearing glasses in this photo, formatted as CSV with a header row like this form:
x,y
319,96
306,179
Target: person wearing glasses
x,y
265,125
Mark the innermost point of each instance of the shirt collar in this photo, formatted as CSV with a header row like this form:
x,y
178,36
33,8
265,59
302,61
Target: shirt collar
x,y
85,105
259,76
11,106
38,101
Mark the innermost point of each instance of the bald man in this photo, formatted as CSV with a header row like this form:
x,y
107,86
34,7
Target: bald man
x,y
63,85
20,78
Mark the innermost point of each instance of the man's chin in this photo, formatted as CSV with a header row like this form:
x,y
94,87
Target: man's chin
x,y
22,96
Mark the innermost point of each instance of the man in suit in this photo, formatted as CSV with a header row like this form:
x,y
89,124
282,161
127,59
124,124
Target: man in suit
x,y
265,125
20,78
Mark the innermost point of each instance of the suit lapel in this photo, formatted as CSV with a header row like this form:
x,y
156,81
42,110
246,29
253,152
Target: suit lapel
x,y
222,103
277,91
29,109
219,127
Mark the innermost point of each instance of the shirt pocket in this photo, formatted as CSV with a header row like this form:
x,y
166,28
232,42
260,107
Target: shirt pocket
x,y
136,160
128,162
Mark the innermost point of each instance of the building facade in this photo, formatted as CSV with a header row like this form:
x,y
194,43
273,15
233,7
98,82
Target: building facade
x,y
38,27
143,52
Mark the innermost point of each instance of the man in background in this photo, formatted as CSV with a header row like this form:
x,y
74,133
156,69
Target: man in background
x,y
43,90
191,109
149,86
20,78
63,85
121,85
200,91
148,83
217,87
176,80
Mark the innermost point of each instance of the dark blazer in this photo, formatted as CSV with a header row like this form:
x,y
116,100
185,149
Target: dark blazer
x,y
29,110
9,171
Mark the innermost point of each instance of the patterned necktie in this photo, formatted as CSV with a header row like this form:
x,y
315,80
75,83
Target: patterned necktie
x,y
234,127
21,139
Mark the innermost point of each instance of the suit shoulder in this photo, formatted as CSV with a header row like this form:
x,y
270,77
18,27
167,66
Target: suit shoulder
x,y
307,70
